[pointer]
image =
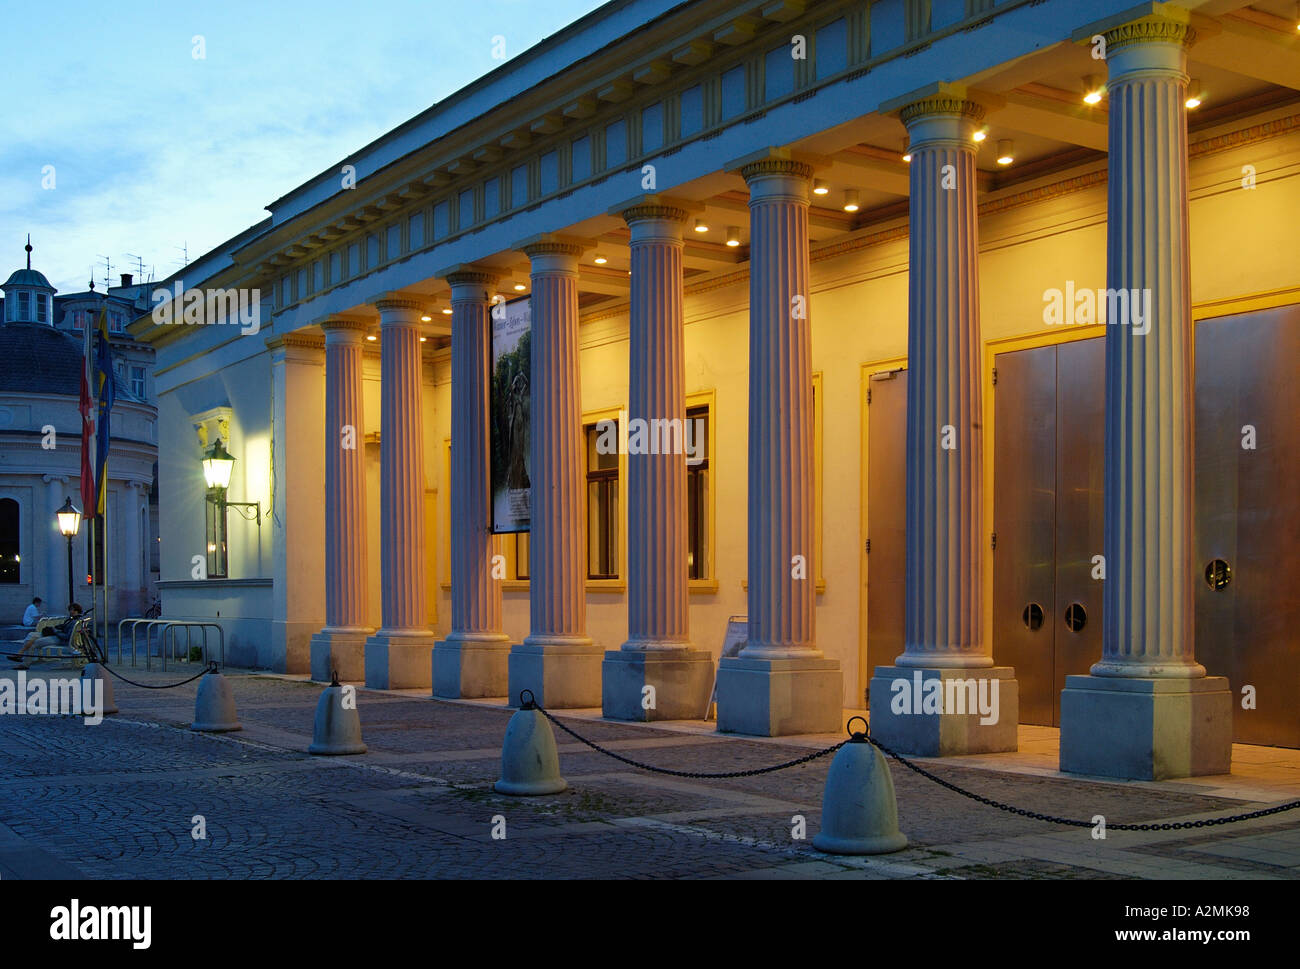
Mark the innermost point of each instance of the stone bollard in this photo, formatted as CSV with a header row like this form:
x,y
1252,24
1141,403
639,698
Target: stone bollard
x,y
530,763
338,726
93,671
859,808
214,704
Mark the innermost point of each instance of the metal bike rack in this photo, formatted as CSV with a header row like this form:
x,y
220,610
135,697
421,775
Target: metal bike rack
x,y
167,624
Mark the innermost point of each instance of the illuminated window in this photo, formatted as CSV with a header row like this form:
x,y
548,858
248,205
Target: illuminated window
x,y
697,495
10,566
602,506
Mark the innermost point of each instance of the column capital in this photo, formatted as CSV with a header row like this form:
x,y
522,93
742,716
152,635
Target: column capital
x,y
344,330
548,244
52,478
1156,29
399,310
941,104
553,254
466,275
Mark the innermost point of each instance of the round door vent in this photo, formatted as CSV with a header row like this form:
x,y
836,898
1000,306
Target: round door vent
x,y
1033,616
1218,574
1076,617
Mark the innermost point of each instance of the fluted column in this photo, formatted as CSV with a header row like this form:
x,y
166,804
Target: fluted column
x,y
472,660
129,595
557,661
1147,620
943,634
782,573
780,683
942,626
658,650
1148,710
339,646
398,655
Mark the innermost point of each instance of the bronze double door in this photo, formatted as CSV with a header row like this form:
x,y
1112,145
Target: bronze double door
x,y
1049,463
1048,468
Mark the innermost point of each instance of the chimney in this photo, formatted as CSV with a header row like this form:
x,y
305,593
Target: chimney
x,y
126,279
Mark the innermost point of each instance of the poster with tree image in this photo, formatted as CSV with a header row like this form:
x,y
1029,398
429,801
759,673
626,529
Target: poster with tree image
x,y
510,418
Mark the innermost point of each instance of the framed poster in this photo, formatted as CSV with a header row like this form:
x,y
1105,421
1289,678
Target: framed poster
x,y
508,386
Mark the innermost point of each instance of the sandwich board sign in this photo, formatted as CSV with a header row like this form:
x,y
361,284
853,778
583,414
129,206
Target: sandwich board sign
x,y
737,637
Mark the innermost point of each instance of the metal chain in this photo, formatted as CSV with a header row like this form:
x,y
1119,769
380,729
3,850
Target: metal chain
x,y
686,773
211,668
858,737
1075,822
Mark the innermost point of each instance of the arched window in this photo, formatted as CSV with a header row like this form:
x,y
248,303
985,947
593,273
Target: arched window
x,y
9,564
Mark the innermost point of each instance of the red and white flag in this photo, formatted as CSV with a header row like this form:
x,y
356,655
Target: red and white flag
x,y
88,497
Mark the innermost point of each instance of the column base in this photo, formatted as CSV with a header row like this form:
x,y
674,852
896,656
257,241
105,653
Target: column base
x,y
398,659
468,668
910,716
780,697
341,648
562,673
1146,729
681,678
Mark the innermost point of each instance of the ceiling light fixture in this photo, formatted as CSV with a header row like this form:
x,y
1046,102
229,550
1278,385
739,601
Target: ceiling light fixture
x,y
1194,95
850,200
820,187
427,318
1006,152
907,151
372,338
701,225
980,134
1092,91
600,260
733,235
447,311
520,287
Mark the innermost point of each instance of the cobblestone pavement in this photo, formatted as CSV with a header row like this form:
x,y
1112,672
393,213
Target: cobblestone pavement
x,y
122,800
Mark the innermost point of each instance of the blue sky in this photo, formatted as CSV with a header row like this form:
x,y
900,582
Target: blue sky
x,y
153,149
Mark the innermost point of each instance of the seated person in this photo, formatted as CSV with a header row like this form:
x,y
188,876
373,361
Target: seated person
x,y
49,635
32,613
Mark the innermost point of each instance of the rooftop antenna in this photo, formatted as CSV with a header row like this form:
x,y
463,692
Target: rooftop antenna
x,y
185,254
108,272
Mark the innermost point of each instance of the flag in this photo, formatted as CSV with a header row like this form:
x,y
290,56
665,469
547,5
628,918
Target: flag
x,y
87,429
105,388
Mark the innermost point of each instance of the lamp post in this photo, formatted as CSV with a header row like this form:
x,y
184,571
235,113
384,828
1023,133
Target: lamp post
x,y
69,524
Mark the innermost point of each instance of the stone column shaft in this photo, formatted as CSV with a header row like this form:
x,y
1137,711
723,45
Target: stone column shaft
x,y
557,540
657,608
471,661
339,646
398,655
782,572
1148,621
942,626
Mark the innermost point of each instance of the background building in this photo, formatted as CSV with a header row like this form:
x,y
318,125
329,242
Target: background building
x,y
41,350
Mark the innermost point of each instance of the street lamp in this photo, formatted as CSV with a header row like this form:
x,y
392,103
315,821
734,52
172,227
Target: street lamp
x,y
217,465
69,524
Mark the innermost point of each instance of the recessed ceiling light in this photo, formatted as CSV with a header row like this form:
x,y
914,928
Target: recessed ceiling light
x,y
980,134
426,318
1092,91
372,338
820,187
1194,94
850,200
701,225
447,311
520,287
907,151
733,235
424,339
1006,152
600,260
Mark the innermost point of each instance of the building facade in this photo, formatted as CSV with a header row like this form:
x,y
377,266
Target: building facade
x,y
936,277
